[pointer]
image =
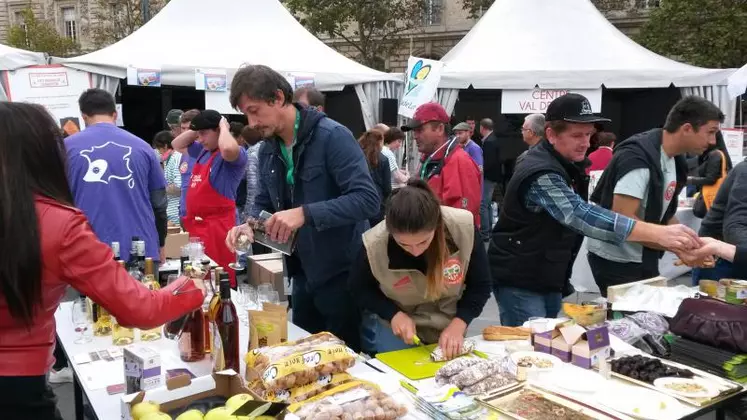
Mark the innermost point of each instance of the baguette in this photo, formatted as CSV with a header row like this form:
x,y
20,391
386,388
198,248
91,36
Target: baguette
x,y
501,333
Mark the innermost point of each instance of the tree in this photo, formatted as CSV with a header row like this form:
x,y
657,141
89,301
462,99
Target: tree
x,y
371,27
476,8
707,33
39,35
113,21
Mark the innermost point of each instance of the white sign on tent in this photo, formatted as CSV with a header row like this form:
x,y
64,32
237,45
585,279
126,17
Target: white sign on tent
x,y
144,76
211,79
734,139
55,87
535,101
423,76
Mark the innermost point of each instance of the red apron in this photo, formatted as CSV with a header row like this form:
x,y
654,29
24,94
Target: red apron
x,y
210,215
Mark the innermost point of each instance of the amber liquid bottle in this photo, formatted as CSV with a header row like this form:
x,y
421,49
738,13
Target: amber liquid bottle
x,y
172,329
121,336
212,298
228,327
192,339
150,281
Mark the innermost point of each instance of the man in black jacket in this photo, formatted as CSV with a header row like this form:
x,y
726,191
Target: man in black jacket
x,y
492,175
643,180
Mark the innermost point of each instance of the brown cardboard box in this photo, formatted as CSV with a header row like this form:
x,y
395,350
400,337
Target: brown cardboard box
x,y
173,229
174,244
268,268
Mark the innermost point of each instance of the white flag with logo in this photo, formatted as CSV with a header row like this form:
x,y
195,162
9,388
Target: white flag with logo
x,y
421,82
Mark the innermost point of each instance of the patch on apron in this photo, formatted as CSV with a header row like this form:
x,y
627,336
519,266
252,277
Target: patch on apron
x,y
453,273
183,167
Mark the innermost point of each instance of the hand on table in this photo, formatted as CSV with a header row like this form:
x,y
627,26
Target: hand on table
x,y
452,338
403,327
234,234
281,225
677,238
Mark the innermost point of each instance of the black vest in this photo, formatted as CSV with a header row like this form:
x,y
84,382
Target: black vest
x,y
532,251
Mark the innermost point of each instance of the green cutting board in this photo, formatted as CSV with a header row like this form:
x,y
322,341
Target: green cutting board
x,y
414,363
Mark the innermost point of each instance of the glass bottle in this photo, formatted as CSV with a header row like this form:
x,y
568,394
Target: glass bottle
x,y
121,336
227,323
150,281
192,338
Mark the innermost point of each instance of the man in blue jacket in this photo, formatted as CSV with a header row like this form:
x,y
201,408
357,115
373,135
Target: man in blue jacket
x,y
314,178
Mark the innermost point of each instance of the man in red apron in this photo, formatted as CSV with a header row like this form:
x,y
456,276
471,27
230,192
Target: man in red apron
x,y
211,194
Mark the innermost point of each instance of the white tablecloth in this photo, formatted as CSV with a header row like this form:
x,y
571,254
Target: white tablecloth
x,y
583,280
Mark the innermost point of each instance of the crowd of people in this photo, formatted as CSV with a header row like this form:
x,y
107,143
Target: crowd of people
x,y
382,258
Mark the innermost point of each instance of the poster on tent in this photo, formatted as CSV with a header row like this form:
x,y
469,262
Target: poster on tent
x,y
213,80
55,87
302,80
734,139
535,101
144,76
423,76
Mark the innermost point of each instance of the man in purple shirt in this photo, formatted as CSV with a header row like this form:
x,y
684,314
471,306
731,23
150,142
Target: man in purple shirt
x,y
462,131
116,179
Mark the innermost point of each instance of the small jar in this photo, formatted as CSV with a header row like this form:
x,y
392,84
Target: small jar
x,y
521,371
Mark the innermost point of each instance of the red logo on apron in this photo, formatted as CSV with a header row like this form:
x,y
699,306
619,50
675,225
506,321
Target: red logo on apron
x,y
669,193
404,281
453,273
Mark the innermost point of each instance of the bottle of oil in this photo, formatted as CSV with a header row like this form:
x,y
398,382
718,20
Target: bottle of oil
x,y
150,281
121,336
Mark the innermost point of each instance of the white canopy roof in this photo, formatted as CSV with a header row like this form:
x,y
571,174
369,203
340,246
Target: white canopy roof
x,y
224,34
14,58
738,82
560,44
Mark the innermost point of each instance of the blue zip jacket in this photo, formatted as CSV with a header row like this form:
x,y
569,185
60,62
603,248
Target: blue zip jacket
x,y
334,187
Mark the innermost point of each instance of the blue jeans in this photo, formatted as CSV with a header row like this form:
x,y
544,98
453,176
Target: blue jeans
x,y
516,306
377,337
486,212
722,270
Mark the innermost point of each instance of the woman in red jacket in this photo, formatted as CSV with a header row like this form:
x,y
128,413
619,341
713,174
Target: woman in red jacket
x,y
46,245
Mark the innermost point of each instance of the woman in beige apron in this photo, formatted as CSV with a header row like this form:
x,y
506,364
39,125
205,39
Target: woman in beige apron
x,y
422,271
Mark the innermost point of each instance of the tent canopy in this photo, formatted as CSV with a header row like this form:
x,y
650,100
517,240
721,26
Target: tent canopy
x,y
738,82
569,44
14,58
225,34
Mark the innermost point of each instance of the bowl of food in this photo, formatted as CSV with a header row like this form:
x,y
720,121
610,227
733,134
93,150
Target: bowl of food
x,y
586,314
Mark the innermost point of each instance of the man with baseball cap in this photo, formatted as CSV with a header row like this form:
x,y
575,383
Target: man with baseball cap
x,y
545,214
217,171
448,169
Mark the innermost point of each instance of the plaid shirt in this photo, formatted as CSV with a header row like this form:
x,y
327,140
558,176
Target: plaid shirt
x,y
552,194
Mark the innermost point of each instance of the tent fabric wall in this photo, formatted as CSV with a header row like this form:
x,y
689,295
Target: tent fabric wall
x,y
448,98
738,82
369,95
14,58
719,95
108,83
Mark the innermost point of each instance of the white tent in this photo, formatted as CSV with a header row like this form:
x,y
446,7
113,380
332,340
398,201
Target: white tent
x,y
14,58
738,82
225,34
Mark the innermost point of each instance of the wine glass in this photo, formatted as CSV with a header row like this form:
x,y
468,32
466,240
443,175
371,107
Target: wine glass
x,y
273,297
81,321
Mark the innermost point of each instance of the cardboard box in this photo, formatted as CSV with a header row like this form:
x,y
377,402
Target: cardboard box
x,y
174,244
613,292
593,345
268,268
142,366
173,229
182,390
561,349
543,341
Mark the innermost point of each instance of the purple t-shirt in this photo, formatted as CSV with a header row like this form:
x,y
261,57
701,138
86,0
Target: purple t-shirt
x,y
185,169
111,174
224,176
474,151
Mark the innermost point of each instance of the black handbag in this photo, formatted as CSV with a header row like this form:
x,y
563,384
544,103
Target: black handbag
x,y
699,207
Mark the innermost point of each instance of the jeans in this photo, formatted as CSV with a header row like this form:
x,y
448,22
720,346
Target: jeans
x,y
27,397
377,336
328,307
516,306
722,270
486,211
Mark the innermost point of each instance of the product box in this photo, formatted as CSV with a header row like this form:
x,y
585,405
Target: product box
x,y
561,349
268,268
174,243
593,345
142,368
182,390
543,341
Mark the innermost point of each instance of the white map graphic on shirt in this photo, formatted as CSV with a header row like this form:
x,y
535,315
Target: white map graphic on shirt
x,y
116,167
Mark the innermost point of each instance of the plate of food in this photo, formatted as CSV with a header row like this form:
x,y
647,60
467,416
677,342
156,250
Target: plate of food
x,y
687,387
576,380
536,360
640,403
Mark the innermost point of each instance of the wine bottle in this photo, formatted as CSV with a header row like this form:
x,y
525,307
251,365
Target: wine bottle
x,y
150,281
132,261
227,323
212,297
192,338
121,336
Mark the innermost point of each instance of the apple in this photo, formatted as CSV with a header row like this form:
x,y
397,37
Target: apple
x,y
237,401
156,416
139,410
220,413
191,415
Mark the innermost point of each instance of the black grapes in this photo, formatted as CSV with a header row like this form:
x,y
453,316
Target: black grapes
x,y
647,369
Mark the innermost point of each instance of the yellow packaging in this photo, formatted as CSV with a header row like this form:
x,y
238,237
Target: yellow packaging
x,y
301,393
266,328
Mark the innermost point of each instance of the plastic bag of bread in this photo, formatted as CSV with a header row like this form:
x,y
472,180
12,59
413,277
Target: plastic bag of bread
x,y
356,400
300,362
301,393
437,355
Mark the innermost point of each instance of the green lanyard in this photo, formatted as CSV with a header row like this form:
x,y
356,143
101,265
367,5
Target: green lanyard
x,y
424,166
288,152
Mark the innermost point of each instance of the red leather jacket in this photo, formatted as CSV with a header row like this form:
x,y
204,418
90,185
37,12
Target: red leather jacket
x,y
72,255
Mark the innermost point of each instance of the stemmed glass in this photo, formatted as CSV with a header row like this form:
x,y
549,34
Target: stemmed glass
x,y
242,246
81,322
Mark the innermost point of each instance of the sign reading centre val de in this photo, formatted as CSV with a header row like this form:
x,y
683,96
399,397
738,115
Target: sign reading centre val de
x,y
535,101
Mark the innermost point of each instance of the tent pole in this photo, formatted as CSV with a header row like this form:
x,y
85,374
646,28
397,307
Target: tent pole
x,y
145,10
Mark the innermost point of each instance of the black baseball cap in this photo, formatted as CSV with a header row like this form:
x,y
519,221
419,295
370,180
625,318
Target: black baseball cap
x,y
573,108
205,120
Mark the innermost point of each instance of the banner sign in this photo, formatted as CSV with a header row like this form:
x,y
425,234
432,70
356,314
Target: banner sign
x,y
423,76
734,139
213,80
535,101
55,87
141,76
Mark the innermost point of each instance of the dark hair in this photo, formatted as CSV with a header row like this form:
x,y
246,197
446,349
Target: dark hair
x,y
188,116
605,138
720,146
260,83
235,128
557,126
393,134
370,142
32,158
163,139
314,97
251,135
96,101
486,123
692,110
415,209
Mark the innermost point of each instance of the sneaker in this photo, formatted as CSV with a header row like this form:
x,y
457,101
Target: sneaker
x,y
64,375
